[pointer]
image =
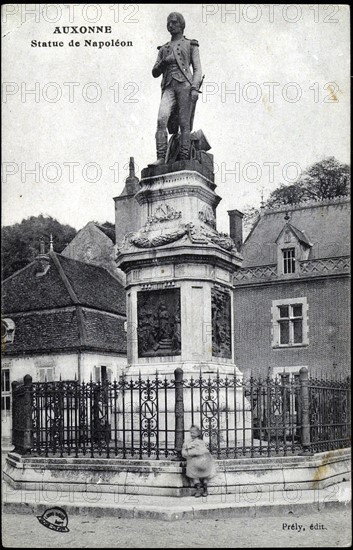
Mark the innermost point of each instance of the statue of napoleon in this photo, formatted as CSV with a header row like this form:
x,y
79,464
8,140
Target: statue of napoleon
x,y
180,88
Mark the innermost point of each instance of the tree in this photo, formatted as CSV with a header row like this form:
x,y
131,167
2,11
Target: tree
x,y
326,179
251,215
20,242
286,194
108,225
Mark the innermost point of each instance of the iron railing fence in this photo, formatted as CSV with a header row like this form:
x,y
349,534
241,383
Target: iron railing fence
x,y
330,414
137,417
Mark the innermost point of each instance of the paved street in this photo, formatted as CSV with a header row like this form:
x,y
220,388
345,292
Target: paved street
x,y
283,531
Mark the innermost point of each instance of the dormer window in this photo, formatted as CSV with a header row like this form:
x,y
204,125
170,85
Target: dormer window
x,y
293,246
7,331
288,260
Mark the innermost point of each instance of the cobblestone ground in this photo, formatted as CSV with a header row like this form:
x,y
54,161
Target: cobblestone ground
x,y
25,531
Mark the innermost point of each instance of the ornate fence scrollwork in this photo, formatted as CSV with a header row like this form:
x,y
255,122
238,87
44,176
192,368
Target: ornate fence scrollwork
x,y
148,417
209,398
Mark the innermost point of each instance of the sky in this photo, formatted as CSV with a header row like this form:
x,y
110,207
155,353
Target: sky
x,y
275,100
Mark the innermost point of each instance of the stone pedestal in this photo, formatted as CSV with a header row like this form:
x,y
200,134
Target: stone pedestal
x,y
179,272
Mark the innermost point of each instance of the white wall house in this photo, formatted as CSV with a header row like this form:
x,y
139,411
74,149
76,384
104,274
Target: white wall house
x,y
62,318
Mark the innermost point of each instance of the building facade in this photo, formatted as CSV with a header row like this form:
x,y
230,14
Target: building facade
x,y
62,319
292,293
95,244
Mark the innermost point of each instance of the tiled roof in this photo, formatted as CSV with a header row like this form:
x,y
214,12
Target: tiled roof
x,y
93,286
24,291
59,331
105,329
72,306
45,332
326,225
300,235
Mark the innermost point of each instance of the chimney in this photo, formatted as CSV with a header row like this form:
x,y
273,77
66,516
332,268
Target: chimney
x,y
43,260
236,227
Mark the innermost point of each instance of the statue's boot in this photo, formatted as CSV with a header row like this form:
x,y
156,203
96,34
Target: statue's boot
x,y
184,152
161,145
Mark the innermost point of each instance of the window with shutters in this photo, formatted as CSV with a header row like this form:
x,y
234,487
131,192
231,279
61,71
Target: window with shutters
x,y
102,374
45,374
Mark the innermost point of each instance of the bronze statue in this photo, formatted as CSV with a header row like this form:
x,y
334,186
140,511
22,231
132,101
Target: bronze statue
x,y
180,88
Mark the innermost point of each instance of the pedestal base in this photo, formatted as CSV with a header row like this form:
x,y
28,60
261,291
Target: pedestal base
x,y
205,169
261,477
213,398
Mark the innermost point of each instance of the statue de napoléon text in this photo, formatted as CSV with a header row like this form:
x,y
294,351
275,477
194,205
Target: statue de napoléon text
x,y
87,43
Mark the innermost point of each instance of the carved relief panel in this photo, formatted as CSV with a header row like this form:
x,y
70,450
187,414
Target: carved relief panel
x,y
221,324
159,326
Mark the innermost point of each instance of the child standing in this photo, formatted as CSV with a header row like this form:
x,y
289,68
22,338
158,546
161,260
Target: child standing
x,y
200,465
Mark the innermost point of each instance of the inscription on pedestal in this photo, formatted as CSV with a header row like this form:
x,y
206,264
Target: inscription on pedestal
x,y
158,314
221,324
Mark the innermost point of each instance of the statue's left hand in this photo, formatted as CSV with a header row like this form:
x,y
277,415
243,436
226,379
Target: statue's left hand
x,y
194,95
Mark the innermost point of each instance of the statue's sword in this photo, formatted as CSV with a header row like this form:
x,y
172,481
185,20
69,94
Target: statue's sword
x,y
194,106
